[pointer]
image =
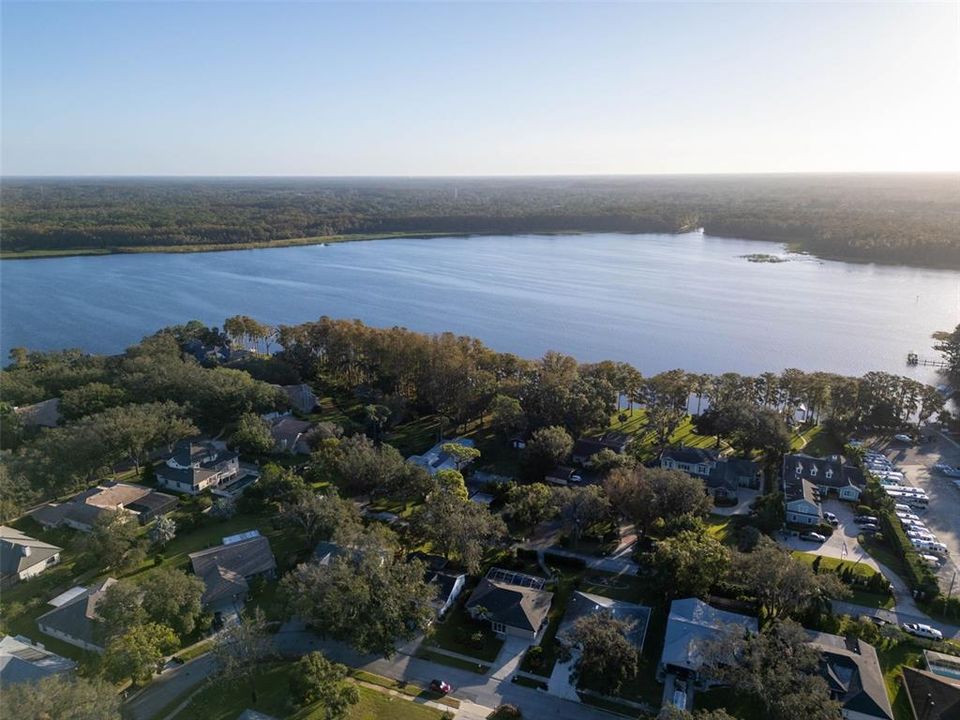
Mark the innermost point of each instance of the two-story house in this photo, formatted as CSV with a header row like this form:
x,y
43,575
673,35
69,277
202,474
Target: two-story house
x,y
198,465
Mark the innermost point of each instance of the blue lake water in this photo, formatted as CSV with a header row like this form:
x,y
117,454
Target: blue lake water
x,y
657,301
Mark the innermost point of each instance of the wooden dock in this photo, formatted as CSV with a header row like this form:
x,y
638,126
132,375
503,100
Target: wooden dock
x,y
915,360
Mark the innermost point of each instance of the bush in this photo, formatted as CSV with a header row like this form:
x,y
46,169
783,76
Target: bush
x,y
506,712
563,561
919,576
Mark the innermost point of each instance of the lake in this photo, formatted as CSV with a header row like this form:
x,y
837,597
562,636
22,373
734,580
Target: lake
x,y
657,301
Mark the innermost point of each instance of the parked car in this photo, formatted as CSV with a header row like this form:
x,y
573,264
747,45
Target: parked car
x,y
812,537
869,529
922,630
907,516
866,520
831,518
901,437
931,560
947,470
441,687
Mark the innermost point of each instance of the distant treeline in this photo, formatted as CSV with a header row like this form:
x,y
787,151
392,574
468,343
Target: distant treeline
x,y
909,219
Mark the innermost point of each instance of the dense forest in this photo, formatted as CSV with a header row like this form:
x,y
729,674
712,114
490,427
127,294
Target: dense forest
x,y
908,219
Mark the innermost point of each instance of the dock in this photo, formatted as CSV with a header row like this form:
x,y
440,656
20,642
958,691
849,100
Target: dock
x,y
915,360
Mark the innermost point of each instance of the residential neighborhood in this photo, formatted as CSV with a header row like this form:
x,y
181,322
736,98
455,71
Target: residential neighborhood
x,y
654,565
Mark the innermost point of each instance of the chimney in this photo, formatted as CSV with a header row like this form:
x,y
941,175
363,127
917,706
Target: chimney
x,y
26,550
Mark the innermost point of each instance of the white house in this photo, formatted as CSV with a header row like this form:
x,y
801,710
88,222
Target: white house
x,y
23,557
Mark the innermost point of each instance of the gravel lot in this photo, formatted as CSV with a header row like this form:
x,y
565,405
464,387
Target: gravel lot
x,y
942,517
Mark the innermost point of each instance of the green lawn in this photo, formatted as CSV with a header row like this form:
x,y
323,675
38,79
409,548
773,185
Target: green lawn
x,y
722,528
224,701
685,434
892,658
437,657
860,596
455,633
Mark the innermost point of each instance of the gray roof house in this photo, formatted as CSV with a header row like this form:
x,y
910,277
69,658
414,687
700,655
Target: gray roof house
x,y
198,465
831,475
301,397
42,414
228,569
22,660
585,604
435,459
23,557
83,509
586,447
722,475
290,434
853,672
513,603
73,617
449,587
691,624
931,697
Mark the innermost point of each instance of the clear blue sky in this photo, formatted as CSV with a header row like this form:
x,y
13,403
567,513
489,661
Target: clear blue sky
x,y
453,88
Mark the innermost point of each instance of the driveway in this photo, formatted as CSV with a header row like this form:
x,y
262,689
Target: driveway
x,y
943,514
745,498
843,544
173,684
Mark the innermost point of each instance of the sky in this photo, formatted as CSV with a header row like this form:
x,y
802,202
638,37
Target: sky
x,y
231,88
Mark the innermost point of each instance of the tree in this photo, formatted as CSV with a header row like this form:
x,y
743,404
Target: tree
x,y
62,697
241,648
461,454
163,531
320,517
529,505
672,712
252,435
507,416
452,482
139,653
548,447
90,399
582,508
459,529
607,656
173,598
223,508
690,563
777,667
366,467
366,598
115,540
665,397
119,610
645,495
782,584
948,345
316,679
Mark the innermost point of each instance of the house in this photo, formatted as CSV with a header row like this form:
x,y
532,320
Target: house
x,y
326,552
802,502
831,476
82,510
228,569
585,604
198,465
931,697
947,666
691,624
435,459
23,557
722,475
290,434
301,397
586,447
448,585
42,414
73,617
513,603
852,671
22,660
562,475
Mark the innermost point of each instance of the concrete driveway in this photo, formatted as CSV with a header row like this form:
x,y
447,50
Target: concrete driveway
x,y
842,544
942,516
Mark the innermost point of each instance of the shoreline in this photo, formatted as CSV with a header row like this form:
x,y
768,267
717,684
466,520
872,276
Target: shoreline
x,y
790,247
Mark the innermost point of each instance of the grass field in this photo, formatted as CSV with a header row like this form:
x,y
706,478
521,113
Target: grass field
x,y
223,701
455,634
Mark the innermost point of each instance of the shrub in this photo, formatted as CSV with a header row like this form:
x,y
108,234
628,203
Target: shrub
x,y
506,712
919,576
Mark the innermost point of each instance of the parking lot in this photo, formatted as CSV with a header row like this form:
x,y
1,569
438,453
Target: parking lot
x,y
942,516
842,544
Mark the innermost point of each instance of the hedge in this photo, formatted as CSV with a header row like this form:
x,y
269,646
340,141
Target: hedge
x,y
919,575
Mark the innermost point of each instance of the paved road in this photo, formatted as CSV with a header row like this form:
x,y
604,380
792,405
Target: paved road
x,y
895,616
482,690
174,684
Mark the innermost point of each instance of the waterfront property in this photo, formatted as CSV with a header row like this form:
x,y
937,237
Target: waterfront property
x,y
807,479
23,557
722,475
514,604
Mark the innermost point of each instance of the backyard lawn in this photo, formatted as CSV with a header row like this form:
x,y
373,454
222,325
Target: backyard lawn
x,y
460,633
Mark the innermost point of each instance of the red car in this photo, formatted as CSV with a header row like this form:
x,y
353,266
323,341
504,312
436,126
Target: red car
x,y
441,687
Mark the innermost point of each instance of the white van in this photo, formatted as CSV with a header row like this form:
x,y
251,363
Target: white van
x,y
917,501
901,507
931,560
